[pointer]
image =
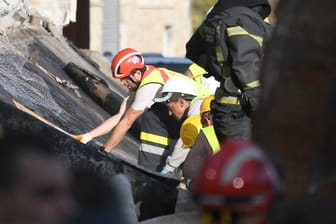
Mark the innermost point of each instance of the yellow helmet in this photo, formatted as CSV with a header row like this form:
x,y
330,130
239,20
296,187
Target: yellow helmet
x,y
190,129
205,106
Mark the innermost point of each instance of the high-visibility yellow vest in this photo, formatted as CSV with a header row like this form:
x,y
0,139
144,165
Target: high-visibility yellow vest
x,y
210,134
197,72
158,75
202,92
161,75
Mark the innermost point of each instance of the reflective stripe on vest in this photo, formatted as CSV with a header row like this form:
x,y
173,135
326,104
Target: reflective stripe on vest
x,y
238,30
152,149
210,134
158,139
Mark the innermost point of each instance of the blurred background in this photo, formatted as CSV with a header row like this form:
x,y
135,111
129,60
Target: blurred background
x,y
157,28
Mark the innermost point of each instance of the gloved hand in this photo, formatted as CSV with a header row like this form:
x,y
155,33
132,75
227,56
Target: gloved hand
x,y
84,138
164,171
168,171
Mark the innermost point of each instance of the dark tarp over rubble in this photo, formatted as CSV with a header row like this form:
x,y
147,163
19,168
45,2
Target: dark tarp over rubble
x,y
31,73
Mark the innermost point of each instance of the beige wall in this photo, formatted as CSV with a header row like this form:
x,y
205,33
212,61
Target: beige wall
x,y
155,26
96,24
161,26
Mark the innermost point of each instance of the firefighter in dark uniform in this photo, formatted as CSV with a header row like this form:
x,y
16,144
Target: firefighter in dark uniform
x,y
229,45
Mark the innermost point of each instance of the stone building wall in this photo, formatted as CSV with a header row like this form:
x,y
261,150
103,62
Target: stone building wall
x,y
149,26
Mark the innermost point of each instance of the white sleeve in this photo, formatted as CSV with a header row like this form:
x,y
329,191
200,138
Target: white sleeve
x,y
211,83
178,156
144,97
195,107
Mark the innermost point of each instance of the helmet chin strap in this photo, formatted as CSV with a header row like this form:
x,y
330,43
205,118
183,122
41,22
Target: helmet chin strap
x,y
132,80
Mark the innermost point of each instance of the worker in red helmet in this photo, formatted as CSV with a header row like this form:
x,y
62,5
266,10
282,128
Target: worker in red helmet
x,y
159,131
236,185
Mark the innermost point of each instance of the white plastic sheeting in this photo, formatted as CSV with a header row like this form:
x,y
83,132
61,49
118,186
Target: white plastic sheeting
x,y
12,12
58,12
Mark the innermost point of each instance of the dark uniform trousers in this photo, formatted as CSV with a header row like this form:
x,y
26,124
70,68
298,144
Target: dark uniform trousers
x,y
230,121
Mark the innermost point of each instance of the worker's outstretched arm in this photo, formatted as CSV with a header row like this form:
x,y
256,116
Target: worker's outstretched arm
x,y
110,123
104,127
121,129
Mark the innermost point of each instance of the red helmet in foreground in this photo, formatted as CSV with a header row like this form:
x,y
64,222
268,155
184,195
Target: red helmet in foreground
x,y
125,61
239,178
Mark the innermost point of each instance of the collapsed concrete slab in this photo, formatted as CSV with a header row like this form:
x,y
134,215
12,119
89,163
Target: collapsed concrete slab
x,y
32,61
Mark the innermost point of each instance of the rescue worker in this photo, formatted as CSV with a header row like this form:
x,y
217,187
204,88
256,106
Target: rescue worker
x,y
183,98
239,184
228,45
158,129
205,144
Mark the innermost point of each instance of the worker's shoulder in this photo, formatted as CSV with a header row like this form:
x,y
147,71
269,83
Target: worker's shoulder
x,y
148,89
239,16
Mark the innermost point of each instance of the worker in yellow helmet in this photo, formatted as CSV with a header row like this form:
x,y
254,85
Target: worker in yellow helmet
x,y
193,124
205,144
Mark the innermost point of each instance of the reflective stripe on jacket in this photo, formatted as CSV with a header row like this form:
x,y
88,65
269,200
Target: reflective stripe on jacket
x,y
158,139
229,44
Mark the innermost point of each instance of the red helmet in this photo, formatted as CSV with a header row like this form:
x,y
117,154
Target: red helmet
x,y
239,178
125,61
